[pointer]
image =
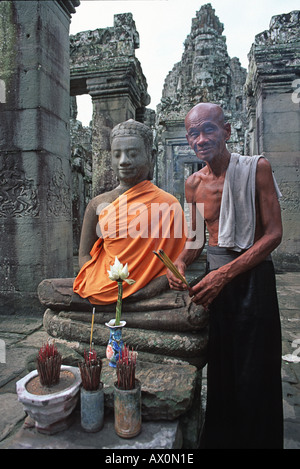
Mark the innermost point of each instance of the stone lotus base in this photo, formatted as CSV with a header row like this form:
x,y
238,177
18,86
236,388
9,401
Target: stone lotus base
x,y
157,344
167,331
168,325
51,412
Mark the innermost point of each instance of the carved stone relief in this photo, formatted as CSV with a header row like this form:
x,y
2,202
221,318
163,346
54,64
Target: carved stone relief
x,y
59,196
18,193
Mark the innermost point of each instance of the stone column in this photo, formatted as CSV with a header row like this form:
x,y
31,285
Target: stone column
x,y
274,124
110,106
103,64
35,183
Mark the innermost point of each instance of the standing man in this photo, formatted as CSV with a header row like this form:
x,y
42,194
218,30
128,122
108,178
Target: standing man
x,y
243,220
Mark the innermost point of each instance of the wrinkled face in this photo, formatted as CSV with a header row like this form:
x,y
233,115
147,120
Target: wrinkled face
x,y
130,161
206,133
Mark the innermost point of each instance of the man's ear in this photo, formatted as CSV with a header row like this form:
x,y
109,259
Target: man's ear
x,y
227,128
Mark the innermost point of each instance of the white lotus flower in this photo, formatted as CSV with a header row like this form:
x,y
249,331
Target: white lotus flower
x,y
119,272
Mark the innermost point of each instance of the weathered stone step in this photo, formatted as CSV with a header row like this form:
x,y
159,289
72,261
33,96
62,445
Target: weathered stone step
x,y
175,344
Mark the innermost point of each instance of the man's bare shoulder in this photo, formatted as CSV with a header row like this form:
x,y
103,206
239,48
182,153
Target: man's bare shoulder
x,y
195,179
264,177
263,165
193,185
263,172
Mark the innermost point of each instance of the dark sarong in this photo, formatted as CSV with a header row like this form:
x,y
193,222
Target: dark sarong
x,y
244,393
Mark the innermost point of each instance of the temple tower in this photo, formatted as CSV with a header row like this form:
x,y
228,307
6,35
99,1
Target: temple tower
x,y
205,73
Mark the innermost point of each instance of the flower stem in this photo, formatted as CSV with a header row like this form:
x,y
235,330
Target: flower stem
x,y
119,303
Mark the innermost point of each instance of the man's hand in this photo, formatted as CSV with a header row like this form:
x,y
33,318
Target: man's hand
x,y
174,282
208,288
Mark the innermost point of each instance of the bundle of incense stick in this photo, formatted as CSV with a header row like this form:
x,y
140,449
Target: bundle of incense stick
x,y
48,365
168,263
126,366
90,371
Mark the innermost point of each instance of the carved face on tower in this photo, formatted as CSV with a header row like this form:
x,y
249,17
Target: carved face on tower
x,y
132,154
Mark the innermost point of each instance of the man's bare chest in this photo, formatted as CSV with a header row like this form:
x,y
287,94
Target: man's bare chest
x,y
209,194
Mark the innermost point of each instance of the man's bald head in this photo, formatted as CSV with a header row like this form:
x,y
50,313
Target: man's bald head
x,y
209,110
207,132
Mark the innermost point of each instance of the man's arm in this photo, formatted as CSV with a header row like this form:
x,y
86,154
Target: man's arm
x,y
270,218
195,241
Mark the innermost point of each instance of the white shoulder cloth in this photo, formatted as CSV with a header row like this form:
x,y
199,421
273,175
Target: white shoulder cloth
x,y
237,213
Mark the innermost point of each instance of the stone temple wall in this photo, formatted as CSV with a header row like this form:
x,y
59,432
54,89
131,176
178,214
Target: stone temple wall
x,y
261,105
274,120
35,183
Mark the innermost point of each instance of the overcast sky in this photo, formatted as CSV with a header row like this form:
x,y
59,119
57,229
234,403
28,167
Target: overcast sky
x,y
163,26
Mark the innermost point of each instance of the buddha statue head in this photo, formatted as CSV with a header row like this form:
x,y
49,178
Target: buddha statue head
x,y
133,156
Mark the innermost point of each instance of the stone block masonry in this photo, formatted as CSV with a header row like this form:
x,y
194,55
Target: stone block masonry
x,y
103,64
274,129
35,213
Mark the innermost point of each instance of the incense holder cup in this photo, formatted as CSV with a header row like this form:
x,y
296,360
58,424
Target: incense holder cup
x,y
127,410
92,409
51,412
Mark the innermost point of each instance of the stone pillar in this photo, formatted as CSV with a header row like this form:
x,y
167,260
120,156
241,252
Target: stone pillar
x,y
35,209
274,120
109,108
103,64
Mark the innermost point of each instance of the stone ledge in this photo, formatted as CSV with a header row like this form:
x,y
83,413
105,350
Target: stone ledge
x,y
184,346
154,435
167,390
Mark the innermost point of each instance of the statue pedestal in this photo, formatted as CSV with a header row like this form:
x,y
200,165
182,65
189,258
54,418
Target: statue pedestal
x,y
168,332
165,327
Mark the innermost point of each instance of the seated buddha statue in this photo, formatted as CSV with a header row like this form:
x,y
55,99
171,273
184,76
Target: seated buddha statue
x,y
129,222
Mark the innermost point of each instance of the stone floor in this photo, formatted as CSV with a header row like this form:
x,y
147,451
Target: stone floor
x,y
20,337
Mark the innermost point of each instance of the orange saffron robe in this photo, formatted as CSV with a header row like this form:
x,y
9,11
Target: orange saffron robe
x,y
142,220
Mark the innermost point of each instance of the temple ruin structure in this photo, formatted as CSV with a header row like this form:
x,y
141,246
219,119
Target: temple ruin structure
x,y
273,99
35,209
103,64
46,180
205,73
82,169
261,105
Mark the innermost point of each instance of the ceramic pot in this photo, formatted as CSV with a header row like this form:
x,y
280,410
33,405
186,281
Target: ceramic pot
x,y
51,412
127,409
115,342
92,409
